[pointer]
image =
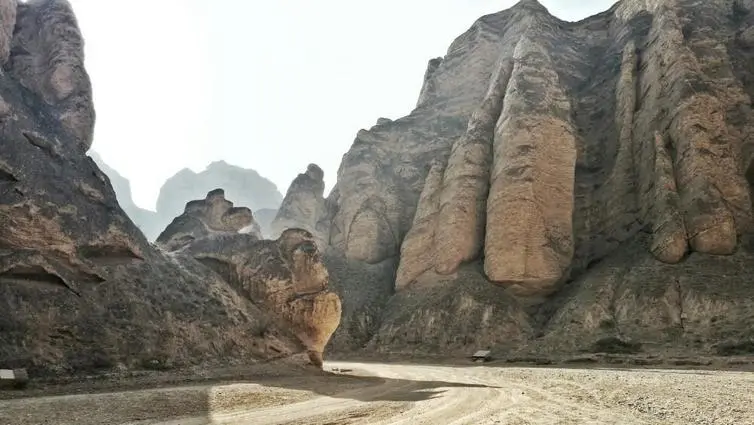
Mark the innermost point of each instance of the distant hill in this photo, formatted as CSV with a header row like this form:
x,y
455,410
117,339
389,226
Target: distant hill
x,y
245,186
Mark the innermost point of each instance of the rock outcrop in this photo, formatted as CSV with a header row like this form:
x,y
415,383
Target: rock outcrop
x,y
245,186
208,217
304,206
540,148
48,61
80,287
286,275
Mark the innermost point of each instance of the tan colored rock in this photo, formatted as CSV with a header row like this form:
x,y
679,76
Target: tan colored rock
x,y
714,196
8,10
381,177
710,223
371,236
315,317
463,203
619,162
529,233
286,276
669,239
206,217
420,249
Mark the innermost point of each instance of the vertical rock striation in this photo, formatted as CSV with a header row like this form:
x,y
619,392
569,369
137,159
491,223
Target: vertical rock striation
x,y
540,149
463,203
529,235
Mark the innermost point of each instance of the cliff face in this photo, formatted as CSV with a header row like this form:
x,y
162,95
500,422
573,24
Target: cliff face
x,y
542,151
80,287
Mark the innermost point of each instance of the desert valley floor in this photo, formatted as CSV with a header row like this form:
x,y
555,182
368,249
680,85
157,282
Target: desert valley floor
x,y
374,393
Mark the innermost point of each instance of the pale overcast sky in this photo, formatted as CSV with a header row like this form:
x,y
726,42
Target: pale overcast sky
x,y
270,85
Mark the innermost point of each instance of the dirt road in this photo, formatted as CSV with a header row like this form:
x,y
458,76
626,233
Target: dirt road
x,y
382,394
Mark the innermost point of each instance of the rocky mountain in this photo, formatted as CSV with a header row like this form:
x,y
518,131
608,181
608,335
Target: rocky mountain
x,y
81,288
251,189
560,187
245,186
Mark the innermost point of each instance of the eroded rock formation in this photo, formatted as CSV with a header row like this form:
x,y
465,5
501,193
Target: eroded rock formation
x,y
286,276
245,186
48,60
305,207
80,287
538,170
251,189
206,217
539,148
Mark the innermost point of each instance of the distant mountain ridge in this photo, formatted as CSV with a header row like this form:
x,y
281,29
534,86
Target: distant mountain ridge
x,y
246,186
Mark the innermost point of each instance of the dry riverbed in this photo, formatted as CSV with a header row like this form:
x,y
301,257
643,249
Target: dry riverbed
x,y
374,393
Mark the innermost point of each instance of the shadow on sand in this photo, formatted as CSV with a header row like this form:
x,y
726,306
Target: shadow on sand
x,y
369,388
196,402
174,398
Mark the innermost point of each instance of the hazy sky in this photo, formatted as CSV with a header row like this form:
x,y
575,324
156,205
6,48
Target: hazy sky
x,y
270,85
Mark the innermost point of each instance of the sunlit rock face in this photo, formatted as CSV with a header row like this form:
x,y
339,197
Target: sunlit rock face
x,y
285,276
206,217
539,152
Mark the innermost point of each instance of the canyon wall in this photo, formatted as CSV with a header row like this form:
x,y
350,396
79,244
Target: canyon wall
x,y
596,172
81,288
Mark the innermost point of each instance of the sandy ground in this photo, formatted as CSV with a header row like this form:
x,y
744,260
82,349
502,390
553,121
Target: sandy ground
x,y
381,394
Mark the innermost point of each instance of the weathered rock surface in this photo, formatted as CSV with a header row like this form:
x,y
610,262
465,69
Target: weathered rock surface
x,y
540,148
304,206
80,286
286,276
48,60
210,216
